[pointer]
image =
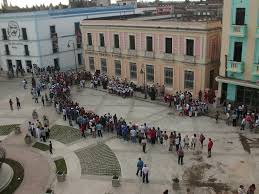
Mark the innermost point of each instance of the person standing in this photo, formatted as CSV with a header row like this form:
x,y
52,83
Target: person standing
x,y
241,190
18,104
193,141
210,145
251,189
165,138
180,155
140,165
99,129
243,124
145,171
144,144
217,116
42,100
50,147
202,138
11,104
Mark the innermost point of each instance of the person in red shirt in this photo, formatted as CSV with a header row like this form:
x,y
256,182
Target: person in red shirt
x,y
210,145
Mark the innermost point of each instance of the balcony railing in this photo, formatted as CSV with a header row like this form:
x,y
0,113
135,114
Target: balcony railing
x,y
116,50
239,30
132,52
149,54
257,32
235,67
90,47
189,59
168,56
256,69
102,49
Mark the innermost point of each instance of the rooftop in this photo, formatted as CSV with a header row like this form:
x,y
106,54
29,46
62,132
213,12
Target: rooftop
x,y
67,12
206,25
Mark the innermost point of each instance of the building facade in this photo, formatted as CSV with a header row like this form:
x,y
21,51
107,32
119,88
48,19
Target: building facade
x,y
180,55
165,9
127,2
239,70
47,38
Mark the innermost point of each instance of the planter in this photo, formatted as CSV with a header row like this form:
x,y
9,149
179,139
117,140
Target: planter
x,y
116,182
17,130
49,191
28,139
61,176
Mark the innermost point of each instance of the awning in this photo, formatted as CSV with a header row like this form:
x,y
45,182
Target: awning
x,y
237,82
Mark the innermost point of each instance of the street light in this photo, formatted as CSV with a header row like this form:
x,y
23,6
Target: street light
x,y
74,48
144,74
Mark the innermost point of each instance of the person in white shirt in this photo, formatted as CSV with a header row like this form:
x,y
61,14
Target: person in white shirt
x,y
145,171
133,134
241,190
186,142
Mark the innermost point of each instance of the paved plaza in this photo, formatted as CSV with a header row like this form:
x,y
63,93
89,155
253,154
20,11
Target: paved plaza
x,y
92,161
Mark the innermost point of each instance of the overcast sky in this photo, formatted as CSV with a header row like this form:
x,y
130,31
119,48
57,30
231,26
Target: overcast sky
x,y
23,3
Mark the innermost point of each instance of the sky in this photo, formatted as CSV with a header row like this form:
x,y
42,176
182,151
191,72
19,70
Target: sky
x,y
23,3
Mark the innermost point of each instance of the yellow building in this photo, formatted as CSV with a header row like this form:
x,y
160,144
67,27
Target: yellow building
x,y
180,55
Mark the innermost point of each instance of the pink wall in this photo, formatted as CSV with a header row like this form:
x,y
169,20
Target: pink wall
x,y
138,39
143,42
182,45
176,44
125,41
108,40
198,48
161,43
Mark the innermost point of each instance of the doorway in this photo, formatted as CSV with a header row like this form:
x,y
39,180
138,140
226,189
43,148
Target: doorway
x,y
19,65
10,65
240,16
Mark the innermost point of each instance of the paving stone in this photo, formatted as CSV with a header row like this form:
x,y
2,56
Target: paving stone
x,y
7,129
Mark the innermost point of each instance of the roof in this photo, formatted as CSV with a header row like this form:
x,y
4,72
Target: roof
x,y
206,25
67,12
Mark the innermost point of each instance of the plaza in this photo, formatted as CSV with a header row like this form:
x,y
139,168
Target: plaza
x,y
91,161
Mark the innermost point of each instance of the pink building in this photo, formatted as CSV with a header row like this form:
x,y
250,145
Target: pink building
x,y
180,55
164,10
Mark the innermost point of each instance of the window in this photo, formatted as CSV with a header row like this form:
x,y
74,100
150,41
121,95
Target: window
x,y
168,45
28,65
26,50
240,16
168,76
149,41
102,43
116,41
103,65
78,34
24,34
7,52
91,63
4,34
56,64
52,29
10,65
133,71
89,39
132,42
188,79
117,67
150,73
238,51
189,47
79,59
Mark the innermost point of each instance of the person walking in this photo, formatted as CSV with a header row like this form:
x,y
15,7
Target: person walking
x,y
145,171
193,141
99,129
11,104
144,144
210,145
243,124
165,138
42,100
202,138
50,147
180,155
217,116
18,104
140,165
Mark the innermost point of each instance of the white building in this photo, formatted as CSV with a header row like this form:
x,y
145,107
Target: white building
x,y
46,38
127,2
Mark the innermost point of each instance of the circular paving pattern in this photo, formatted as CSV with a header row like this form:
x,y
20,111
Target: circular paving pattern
x,y
98,160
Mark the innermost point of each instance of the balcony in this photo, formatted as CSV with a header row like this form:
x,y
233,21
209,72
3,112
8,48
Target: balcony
x,y
168,56
132,52
102,49
116,50
239,30
235,67
256,69
189,59
149,54
90,47
257,32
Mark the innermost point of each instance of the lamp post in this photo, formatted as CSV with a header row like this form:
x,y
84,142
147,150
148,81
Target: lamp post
x,y
74,48
144,74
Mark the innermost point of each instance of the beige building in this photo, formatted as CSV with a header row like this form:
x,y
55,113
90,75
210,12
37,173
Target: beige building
x,y
180,55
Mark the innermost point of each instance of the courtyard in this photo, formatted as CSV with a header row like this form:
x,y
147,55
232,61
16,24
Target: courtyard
x,y
92,161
